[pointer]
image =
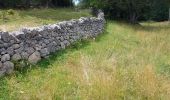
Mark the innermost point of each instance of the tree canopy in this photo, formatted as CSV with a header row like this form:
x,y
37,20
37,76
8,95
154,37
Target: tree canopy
x,y
35,3
132,10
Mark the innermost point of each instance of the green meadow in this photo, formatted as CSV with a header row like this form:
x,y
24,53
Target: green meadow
x,y
125,62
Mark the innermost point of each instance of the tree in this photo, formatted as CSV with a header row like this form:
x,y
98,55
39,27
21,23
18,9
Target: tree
x,y
131,10
28,3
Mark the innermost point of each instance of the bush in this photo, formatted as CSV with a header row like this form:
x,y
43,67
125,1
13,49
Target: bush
x,y
10,12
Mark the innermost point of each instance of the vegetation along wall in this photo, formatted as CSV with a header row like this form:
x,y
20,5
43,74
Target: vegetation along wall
x,y
33,44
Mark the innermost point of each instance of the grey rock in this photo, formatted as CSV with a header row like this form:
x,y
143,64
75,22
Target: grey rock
x,y
16,57
61,38
52,49
67,43
5,57
3,52
24,55
9,66
5,37
46,41
62,45
2,49
12,41
1,65
35,57
29,50
38,47
10,51
19,50
6,45
44,52
16,46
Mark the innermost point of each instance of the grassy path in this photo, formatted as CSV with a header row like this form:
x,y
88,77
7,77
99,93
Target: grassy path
x,y
126,62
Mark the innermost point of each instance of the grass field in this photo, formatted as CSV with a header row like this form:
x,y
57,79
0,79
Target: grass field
x,y
16,19
126,62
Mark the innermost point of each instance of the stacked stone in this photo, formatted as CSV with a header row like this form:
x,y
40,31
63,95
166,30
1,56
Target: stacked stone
x,y
32,44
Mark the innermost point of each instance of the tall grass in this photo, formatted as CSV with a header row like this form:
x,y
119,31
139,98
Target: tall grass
x,y
125,63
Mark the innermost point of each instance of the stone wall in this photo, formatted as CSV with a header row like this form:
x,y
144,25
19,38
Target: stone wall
x,y
33,44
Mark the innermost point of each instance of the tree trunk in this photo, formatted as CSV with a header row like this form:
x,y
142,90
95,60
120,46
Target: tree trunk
x,y
47,3
169,14
133,18
27,3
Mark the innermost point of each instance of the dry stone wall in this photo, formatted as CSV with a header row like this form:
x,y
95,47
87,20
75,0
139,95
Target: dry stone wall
x,y
33,44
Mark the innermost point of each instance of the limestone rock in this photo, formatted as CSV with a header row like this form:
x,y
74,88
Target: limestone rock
x,y
24,55
10,51
9,66
16,57
44,52
35,57
62,45
1,65
5,57
30,50
16,46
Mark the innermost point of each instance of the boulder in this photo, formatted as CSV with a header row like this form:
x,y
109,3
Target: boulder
x,y
44,52
5,57
35,57
9,66
16,57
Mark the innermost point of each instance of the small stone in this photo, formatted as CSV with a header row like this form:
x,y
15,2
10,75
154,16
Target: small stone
x,y
24,55
5,57
44,52
16,57
10,51
5,37
1,65
35,57
9,66
67,43
62,45
29,50
19,50
16,46
52,49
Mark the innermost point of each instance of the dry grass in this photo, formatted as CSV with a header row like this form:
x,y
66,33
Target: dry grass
x,y
125,63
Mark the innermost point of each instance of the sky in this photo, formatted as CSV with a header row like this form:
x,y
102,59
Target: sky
x,y
76,1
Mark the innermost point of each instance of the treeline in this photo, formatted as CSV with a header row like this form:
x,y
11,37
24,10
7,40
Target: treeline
x,y
35,3
132,10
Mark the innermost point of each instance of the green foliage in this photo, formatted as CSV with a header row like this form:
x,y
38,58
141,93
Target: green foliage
x,y
5,15
10,12
35,3
132,10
